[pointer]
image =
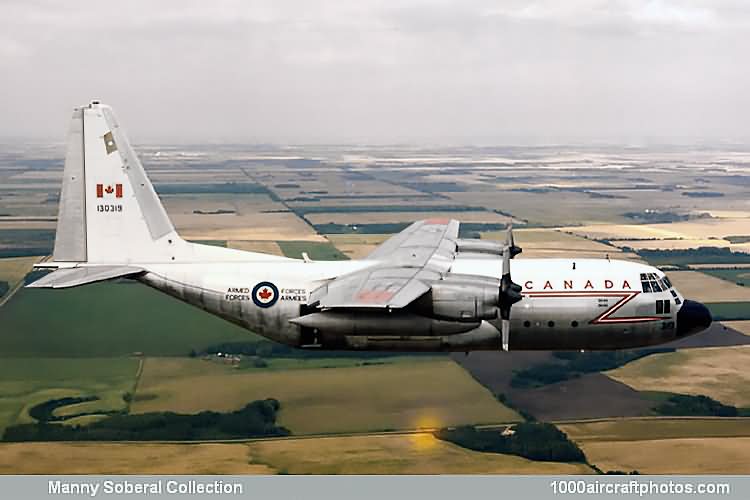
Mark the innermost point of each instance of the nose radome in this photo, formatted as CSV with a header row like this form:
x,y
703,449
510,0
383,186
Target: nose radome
x,y
693,317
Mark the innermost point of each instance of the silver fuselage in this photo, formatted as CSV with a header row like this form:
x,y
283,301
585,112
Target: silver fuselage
x,y
567,304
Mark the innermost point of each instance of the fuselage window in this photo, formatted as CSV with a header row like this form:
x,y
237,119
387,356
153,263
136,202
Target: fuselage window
x,y
659,307
666,306
574,323
551,324
527,323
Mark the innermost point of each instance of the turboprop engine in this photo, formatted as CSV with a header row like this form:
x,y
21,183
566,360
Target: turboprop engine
x,y
460,298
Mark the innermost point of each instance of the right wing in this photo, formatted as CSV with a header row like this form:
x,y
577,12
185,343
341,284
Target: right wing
x,y
421,253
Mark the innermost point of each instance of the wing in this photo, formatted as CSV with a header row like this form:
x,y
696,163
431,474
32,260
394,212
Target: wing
x,y
421,253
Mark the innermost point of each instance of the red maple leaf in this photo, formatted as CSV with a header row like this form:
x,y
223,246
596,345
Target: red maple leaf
x,y
109,190
264,294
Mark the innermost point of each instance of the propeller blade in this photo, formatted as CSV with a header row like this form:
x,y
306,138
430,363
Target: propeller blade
x,y
510,241
506,266
505,326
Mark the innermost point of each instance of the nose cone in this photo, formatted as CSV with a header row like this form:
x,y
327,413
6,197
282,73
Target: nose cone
x,y
693,317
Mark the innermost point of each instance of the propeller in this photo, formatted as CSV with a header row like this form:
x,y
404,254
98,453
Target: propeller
x,y
510,292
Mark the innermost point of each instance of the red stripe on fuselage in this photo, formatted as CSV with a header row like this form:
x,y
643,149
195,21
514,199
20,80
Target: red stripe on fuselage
x,y
604,318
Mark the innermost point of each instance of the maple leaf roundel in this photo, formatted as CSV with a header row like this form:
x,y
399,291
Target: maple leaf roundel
x,y
265,294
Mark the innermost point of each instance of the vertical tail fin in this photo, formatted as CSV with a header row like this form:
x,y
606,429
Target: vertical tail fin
x,y
109,212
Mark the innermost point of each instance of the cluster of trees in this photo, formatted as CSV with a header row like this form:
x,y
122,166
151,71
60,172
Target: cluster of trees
x,y
703,194
656,216
532,440
256,419
44,412
573,364
686,405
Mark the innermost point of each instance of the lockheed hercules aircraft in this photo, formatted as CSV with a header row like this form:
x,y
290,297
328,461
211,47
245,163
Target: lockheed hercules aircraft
x,y
424,289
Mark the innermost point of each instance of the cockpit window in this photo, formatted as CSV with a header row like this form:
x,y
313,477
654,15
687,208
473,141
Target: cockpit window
x,y
651,283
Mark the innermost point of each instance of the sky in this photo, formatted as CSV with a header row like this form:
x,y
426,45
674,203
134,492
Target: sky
x,y
373,72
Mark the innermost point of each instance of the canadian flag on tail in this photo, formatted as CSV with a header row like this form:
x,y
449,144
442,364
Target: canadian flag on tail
x,y
102,190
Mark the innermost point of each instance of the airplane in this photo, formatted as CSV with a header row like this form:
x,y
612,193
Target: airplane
x,y
424,289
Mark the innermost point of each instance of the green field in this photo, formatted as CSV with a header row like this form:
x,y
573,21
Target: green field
x,y
107,319
729,311
317,250
26,242
25,383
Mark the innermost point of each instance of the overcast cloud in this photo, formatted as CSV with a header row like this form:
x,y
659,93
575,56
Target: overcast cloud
x,y
407,71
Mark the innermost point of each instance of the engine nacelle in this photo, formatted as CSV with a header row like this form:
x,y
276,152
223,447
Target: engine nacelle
x,y
460,301
480,246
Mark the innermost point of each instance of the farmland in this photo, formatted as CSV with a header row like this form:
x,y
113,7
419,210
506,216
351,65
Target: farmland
x,y
714,372
740,326
693,446
24,384
121,458
404,454
698,455
334,203
327,400
738,276
99,320
707,287
12,270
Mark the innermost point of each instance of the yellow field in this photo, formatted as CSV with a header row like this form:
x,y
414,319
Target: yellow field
x,y
14,269
666,445
550,239
388,217
706,288
671,244
551,244
113,458
672,456
556,208
699,229
740,326
395,454
327,400
270,247
357,246
248,222
650,428
356,251
720,373
719,266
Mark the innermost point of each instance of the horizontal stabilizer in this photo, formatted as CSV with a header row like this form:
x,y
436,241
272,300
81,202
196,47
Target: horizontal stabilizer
x,y
66,278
